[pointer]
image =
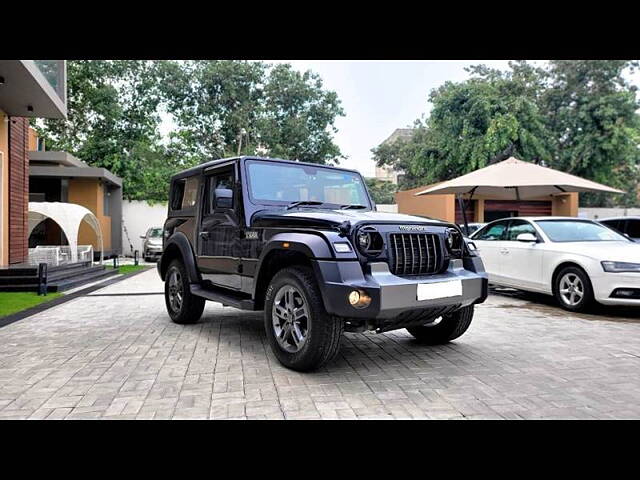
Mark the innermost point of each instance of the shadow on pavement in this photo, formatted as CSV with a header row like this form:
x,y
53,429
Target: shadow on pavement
x,y
547,304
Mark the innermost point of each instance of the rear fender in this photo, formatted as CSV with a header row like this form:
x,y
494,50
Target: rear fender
x,y
178,245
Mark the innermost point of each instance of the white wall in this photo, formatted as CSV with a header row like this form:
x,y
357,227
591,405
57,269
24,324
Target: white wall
x,y
137,217
387,208
595,213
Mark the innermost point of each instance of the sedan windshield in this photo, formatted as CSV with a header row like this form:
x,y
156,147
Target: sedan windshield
x,y
273,183
154,232
578,231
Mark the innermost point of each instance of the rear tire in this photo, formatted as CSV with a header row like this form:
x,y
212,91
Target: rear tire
x,y
302,335
449,328
572,289
183,307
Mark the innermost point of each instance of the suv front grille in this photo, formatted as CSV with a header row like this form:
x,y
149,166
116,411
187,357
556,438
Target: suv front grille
x,y
414,253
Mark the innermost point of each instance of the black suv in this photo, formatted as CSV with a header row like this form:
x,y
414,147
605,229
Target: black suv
x,y
304,243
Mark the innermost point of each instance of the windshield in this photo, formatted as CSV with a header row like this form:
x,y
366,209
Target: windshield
x,y
154,232
578,231
274,183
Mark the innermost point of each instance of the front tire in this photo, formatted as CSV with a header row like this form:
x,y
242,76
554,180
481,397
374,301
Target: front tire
x,y
302,335
572,289
183,307
449,328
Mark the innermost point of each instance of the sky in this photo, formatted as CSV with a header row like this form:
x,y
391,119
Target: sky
x,y
380,96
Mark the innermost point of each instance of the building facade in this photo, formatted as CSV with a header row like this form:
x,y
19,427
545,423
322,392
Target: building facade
x,y
28,89
61,177
385,172
445,207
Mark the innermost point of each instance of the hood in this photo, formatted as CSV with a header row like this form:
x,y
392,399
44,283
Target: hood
x,y
613,251
323,218
154,240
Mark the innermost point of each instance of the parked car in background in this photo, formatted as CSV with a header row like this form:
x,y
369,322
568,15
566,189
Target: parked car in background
x,y
629,226
152,244
473,227
578,261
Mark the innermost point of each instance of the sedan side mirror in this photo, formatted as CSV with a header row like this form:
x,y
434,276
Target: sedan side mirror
x,y
526,237
143,236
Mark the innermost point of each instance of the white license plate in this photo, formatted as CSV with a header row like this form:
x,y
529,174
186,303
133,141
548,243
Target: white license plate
x,y
431,291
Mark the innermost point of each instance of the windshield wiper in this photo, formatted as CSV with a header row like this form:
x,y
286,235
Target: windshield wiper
x,y
355,207
303,202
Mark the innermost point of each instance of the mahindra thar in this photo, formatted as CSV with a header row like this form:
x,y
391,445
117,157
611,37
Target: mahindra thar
x,y
304,243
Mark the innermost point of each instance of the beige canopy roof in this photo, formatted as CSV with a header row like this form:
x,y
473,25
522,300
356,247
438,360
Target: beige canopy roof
x,y
513,179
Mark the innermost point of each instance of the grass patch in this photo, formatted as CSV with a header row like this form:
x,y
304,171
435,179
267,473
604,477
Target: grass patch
x,y
12,302
124,269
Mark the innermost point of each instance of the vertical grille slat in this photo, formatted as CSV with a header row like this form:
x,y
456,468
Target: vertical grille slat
x,y
415,253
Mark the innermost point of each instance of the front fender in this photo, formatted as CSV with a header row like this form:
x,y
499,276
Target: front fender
x,y
313,246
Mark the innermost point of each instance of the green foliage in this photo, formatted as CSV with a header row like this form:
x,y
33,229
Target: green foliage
x,y
276,111
115,107
592,109
382,191
576,116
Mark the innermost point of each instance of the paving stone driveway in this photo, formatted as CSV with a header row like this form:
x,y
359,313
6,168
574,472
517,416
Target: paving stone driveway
x,y
108,355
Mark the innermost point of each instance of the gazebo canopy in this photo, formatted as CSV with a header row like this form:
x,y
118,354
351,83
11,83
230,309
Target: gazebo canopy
x,y
513,179
68,216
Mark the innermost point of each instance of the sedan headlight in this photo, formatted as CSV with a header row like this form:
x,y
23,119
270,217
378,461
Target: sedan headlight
x,y
620,267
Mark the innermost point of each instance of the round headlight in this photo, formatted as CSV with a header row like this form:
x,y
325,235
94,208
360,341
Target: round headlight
x,y
450,240
369,242
454,241
364,240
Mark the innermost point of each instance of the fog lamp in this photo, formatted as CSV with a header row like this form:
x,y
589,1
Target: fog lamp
x,y
359,299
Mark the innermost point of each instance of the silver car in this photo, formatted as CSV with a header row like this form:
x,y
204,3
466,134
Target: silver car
x,y
152,244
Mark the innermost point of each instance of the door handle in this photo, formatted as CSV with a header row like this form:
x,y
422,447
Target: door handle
x,y
504,251
204,235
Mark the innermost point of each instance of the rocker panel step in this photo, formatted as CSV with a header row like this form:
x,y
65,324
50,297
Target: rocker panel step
x,y
223,297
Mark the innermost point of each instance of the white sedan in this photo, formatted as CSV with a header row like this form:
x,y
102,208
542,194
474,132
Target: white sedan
x,y
576,260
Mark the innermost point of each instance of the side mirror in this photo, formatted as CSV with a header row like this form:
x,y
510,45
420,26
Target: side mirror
x,y
143,237
526,237
224,198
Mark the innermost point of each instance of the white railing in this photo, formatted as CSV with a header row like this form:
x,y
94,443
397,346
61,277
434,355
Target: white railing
x,y
55,255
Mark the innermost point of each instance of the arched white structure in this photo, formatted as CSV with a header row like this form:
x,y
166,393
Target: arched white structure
x,y
68,216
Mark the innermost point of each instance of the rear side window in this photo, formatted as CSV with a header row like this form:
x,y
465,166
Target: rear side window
x,y
633,228
185,193
617,224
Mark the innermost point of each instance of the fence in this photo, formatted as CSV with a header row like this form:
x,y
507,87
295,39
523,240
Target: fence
x,y
56,255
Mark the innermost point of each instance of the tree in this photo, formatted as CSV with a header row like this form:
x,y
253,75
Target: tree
x,y
273,111
575,116
382,191
212,102
485,119
591,108
298,116
115,108
112,118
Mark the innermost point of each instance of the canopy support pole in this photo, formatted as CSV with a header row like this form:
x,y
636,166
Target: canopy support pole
x,y
463,207
464,214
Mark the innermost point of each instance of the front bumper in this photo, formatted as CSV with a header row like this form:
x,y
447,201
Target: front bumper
x,y
153,251
393,296
606,283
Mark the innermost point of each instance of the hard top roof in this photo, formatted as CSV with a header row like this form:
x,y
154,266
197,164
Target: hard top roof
x,y
198,169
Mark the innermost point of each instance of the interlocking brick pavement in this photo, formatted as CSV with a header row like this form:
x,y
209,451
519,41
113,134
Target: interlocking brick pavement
x,y
113,356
